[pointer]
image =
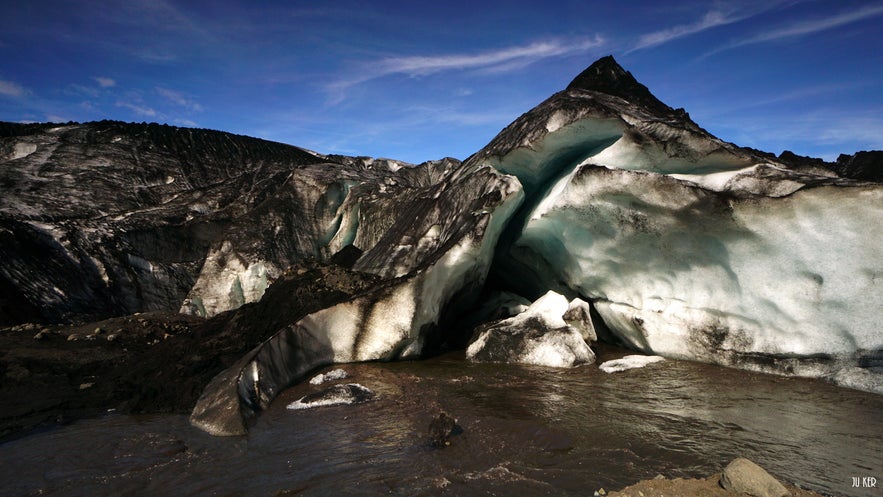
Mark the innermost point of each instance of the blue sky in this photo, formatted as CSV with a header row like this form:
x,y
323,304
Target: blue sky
x,y
415,80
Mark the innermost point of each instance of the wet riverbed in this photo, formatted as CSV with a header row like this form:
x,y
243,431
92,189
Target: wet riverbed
x,y
526,431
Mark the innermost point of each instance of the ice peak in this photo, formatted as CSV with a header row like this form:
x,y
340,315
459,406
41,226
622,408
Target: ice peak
x,y
605,75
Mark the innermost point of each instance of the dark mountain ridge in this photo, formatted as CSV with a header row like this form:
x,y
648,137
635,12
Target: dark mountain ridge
x,y
606,76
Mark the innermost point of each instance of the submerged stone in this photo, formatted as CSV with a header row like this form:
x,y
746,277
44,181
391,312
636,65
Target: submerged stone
x,y
442,427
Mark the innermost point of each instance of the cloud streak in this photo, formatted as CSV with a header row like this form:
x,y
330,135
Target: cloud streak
x,y
179,99
805,28
105,82
492,61
710,20
10,89
424,65
138,109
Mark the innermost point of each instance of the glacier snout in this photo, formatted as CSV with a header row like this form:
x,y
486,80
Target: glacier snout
x,y
687,246
783,284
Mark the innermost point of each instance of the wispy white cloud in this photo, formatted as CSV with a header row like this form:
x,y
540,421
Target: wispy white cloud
x,y
105,82
492,61
178,98
81,90
11,89
806,27
141,110
710,20
424,114
809,94
824,133
423,65
185,122
156,57
866,130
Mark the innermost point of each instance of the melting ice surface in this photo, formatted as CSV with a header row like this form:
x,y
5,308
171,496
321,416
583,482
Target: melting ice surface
x,y
334,374
350,393
526,431
629,362
685,259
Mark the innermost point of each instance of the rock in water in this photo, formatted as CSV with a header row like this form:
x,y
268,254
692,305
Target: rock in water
x,y
743,476
440,430
538,336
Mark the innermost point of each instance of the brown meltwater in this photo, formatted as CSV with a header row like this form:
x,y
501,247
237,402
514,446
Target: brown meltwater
x,y
525,431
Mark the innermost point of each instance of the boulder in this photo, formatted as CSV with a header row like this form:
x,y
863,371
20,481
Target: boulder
x,y
744,476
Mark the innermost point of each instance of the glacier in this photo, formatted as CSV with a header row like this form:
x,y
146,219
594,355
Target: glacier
x,y
600,212
689,247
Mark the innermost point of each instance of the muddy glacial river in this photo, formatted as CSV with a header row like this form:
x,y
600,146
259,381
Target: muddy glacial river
x,y
525,431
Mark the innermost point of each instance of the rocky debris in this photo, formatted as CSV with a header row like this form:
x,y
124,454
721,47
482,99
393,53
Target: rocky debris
x,y
744,476
344,394
442,427
129,375
691,487
539,336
